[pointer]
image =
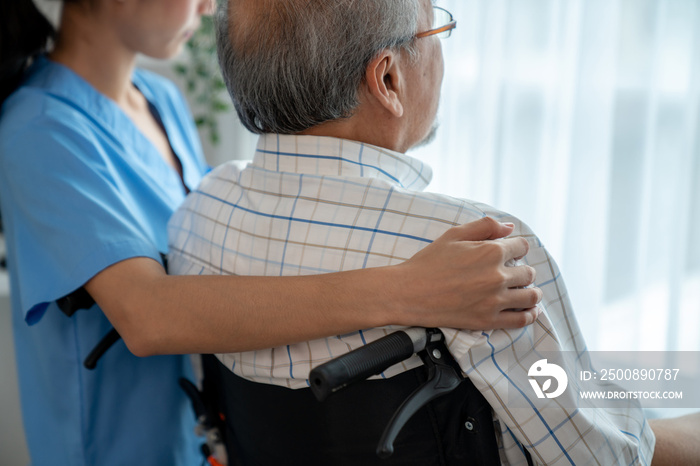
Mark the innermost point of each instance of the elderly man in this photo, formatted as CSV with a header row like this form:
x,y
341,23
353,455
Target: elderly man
x,y
340,90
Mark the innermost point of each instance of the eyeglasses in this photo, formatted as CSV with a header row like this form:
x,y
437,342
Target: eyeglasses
x,y
443,24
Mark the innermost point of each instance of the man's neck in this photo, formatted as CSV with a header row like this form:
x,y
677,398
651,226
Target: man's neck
x,y
366,127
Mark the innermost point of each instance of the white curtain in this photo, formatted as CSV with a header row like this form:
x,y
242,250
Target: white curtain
x,y
581,118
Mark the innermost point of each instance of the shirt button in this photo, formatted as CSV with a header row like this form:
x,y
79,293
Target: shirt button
x,y
469,425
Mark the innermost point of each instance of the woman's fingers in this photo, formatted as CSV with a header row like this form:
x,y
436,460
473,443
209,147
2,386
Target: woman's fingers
x,y
515,248
483,229
523,298
516,319
519,276
461,280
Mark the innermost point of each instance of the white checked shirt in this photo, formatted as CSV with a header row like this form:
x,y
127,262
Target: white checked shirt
x,y
309,205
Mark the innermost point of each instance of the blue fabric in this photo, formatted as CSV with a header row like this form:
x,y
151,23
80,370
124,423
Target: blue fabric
x,y
81,188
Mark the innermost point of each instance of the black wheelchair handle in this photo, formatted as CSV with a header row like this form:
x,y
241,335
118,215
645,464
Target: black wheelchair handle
x,y
366,361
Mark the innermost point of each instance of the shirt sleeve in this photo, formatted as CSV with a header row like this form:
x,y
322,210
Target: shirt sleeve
x,y
70,213
563,428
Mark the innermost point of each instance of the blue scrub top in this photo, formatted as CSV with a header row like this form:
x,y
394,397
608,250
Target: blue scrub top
x,y
82,188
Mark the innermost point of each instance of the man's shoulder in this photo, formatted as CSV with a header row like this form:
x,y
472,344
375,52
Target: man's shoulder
x,y
421,205
464,210
225,174
458,211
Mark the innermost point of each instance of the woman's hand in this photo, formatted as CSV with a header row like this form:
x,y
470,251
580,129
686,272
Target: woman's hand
x,y
461,280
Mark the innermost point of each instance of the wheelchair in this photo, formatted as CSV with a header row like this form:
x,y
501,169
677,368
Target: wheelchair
x,y
428,415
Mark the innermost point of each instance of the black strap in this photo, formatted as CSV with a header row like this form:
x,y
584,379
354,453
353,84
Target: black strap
x,y
75,301
101,348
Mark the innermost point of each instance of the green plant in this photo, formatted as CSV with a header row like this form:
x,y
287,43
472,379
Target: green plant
x,y
202,77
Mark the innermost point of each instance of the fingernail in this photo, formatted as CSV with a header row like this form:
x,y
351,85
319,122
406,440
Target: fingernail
x,y
508,224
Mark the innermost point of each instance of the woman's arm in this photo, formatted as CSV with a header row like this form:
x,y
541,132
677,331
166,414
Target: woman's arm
x,y
677,440
459,281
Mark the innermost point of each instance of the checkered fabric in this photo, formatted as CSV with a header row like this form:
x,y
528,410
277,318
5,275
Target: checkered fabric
x,y
309,205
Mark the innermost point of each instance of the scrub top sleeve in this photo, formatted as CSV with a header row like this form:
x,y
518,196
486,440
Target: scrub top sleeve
x,y
72,215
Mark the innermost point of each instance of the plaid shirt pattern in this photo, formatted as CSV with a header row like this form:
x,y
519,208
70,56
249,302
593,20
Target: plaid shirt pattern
x,y
309,205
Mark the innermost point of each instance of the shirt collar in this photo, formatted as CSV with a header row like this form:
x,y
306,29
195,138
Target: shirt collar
x,y
321,155
65,84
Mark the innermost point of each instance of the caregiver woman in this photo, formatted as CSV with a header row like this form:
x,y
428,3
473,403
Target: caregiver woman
x,y
95,155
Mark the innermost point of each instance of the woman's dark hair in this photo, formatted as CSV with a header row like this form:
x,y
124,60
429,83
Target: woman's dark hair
x,y
24,33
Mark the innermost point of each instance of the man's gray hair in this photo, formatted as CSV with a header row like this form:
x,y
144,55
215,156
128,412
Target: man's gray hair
x,y
298,63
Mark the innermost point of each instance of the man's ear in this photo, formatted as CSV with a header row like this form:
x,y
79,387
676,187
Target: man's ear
x,y
384,81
